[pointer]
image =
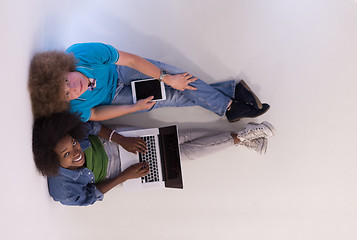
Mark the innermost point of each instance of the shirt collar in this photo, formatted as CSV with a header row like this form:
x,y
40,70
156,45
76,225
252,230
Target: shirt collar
x,y
71,173
92,84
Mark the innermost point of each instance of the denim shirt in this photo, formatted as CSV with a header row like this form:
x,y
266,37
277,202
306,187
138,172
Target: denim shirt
x,y
76,187
93,128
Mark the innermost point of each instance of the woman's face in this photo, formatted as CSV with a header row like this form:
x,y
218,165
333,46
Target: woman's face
x,y
75,85
69,153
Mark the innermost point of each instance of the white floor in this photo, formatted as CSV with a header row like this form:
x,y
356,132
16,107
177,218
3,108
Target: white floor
x,y
299,56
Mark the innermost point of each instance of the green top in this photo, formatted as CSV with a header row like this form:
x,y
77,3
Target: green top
x,y
96,159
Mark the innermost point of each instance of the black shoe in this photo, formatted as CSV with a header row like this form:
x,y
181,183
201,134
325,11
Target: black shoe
x,y
240,110
244,94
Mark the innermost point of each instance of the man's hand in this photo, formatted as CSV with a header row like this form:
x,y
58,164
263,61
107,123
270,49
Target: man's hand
x,y
136,170
180,81
134,145
144,104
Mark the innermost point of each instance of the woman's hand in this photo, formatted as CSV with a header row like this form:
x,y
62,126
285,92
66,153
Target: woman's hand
x,y
144,104
134,145
136,170
180,81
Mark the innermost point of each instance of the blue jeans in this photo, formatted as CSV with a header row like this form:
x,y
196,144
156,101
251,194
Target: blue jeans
x,y
214,97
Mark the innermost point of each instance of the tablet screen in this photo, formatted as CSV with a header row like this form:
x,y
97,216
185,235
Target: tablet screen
x,y
148,88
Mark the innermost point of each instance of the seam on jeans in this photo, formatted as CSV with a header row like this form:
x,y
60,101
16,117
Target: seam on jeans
x,y
216,110
234,89
233,84
227,140
222,141
188,154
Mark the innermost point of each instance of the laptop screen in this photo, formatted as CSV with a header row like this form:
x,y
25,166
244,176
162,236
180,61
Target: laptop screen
x,y
148,88
170,154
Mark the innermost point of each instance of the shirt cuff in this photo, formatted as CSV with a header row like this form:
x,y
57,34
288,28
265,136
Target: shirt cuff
x,y
99,195
94,127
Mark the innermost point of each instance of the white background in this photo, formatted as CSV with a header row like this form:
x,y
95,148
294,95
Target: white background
x,y
299,56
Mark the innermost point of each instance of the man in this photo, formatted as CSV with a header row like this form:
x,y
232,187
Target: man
x,y
95,79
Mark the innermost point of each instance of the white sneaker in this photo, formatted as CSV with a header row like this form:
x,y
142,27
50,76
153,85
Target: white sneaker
x,y
259,145
255,130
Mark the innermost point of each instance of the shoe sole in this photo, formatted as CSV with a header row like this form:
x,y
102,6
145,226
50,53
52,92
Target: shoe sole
x,y
236,120
271,127
257,100
263,150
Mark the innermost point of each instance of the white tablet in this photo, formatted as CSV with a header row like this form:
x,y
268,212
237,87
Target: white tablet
x,y
148,87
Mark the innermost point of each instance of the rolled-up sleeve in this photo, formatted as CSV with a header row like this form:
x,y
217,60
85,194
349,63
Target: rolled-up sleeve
x,y
93,127
87,197
74,187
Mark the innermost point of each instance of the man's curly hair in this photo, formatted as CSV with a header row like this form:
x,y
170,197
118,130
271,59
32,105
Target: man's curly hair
x,y
47,132
46,82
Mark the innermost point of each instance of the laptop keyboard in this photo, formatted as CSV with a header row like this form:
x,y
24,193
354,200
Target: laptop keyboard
x,y
151,158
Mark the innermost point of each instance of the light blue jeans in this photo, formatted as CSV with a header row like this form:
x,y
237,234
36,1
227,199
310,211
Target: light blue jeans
x,y
214,97
194,144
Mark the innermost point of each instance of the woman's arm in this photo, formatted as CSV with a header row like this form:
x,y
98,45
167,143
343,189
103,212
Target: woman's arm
x,y
134,171
179,81
105,112
131,144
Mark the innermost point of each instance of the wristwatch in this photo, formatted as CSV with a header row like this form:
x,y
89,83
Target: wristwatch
x,y
162,75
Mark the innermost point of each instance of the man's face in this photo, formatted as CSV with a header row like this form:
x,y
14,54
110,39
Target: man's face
x,y
75,85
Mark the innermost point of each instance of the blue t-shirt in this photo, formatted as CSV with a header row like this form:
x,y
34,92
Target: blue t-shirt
x,y
97,61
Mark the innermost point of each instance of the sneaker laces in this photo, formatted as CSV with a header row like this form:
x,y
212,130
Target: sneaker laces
x,y
252,133
259,145
252,144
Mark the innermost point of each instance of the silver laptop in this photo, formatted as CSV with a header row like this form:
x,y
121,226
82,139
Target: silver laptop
x,y
163,157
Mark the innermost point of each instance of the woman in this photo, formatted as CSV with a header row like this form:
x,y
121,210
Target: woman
x,y
82,161
95,78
